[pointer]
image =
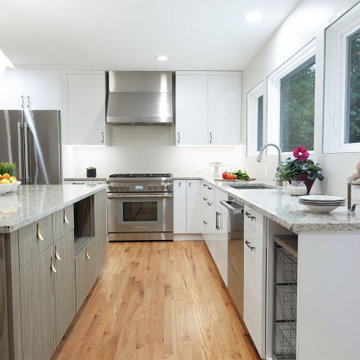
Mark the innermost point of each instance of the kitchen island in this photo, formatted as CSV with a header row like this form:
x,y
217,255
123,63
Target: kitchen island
x,y
52,249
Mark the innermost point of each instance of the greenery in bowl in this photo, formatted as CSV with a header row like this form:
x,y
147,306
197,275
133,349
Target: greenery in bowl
x,y
292,169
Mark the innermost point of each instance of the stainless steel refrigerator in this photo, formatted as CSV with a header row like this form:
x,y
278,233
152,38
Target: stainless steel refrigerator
x,y
32,140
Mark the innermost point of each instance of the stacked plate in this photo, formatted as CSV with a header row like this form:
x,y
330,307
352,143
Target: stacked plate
x,y
321,203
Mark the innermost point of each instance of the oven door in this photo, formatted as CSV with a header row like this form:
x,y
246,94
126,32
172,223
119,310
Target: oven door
x,y
139,213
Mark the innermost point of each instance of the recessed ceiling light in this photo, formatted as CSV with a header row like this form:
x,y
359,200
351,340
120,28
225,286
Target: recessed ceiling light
x,y
253,17
162,58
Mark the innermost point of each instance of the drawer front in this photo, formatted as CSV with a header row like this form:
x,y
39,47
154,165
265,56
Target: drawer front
x,y
34,239
253,227
63,222
208,191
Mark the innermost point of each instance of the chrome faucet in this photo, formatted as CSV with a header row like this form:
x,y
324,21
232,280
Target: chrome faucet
x,y
259,158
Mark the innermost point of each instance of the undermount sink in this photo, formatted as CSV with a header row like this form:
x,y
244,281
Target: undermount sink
x,y
250,186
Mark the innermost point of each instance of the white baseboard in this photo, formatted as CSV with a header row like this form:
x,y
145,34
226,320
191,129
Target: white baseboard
x,y
187,237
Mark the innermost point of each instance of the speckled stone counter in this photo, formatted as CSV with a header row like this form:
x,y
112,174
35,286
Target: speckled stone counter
x,y
284,209
33,202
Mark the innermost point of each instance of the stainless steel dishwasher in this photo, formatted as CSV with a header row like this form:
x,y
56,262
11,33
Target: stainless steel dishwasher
x,y
236,252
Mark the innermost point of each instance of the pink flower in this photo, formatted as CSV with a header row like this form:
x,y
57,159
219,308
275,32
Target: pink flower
x,y
301,153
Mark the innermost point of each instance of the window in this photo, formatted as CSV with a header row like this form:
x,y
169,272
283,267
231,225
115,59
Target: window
x,y
297,100
255,120
260,121
291,101
352,133
342,84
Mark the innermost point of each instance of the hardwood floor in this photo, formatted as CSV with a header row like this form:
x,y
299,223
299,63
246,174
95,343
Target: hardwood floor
x,y
157,300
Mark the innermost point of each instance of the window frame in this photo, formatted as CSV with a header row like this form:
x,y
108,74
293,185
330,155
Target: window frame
x,y
274,92
252,118
336,82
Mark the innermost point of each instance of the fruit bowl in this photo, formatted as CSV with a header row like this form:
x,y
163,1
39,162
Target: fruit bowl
x,y
5,188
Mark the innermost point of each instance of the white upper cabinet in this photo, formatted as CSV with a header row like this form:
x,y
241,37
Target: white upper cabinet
x,y
85,102
208,107
224,109
12,89
43,89
38,89
191,109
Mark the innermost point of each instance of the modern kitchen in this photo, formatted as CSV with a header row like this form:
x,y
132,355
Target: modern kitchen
x,y
179,180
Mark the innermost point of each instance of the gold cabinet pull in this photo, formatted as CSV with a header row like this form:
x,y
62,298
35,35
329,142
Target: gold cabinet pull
x,y
57,256
66,221
39,236
52,266
87,254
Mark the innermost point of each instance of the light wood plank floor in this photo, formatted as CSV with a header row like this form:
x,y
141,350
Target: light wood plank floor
x,y
157,300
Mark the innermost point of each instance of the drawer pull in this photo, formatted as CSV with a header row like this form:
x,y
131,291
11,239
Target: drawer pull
x,y
52,266
66,221
249,216
87,255
39,236
252,248
209,203
57,256
205,199
205,222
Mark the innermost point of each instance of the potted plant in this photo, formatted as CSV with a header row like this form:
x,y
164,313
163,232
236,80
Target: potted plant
x,y
91,172
301,169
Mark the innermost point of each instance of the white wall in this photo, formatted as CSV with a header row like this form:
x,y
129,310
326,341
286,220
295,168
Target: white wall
x,y
308,21
147,149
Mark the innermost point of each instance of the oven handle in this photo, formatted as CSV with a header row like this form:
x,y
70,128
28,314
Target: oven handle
x,y
139,196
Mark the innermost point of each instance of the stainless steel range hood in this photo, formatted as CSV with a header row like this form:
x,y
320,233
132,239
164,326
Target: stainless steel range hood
x,y
139,98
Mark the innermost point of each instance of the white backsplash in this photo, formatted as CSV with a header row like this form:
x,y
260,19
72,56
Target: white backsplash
x,y
148,149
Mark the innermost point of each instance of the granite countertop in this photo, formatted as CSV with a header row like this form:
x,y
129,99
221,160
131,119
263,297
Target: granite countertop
x,y
33,202
284,209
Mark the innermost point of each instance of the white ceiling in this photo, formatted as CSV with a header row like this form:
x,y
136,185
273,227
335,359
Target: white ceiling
x,y
128,34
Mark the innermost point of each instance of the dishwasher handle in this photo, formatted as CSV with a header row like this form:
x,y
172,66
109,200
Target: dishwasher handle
x,y
231,208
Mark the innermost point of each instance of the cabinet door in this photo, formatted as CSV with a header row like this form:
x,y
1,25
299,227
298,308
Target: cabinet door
x,y
37,307
180,206
254,277
100,230
86,108
65,301
85,272
12,88
224,109
193,207
191,109
43,89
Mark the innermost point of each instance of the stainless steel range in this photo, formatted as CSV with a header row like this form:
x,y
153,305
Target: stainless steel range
x,y
140,207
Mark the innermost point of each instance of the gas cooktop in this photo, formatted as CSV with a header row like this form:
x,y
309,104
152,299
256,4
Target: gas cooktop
x,y
131,176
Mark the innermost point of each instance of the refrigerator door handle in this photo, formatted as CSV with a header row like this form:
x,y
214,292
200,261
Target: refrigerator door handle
x,y
19,128
26,142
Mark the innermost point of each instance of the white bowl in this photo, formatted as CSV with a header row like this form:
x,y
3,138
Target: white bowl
x,y
321,209
5,188
14,186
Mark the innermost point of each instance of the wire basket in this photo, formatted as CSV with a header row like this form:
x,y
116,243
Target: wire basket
x,y
286,266
286,300
285,340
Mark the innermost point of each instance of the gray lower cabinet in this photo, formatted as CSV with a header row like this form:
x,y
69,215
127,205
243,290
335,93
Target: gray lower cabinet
x,y
64,284
4,350
85,272
37,290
